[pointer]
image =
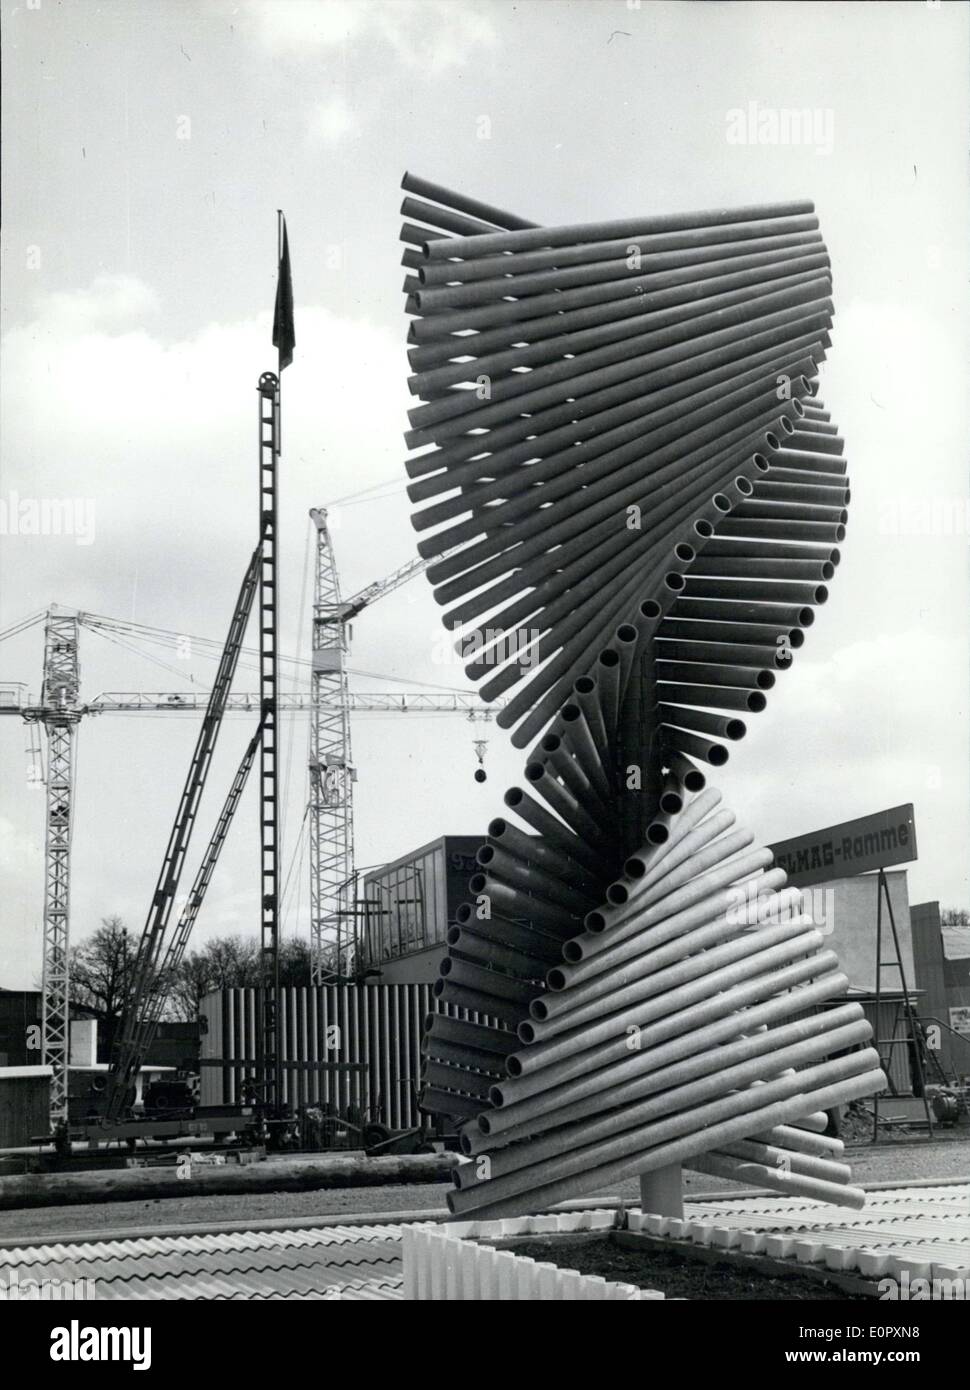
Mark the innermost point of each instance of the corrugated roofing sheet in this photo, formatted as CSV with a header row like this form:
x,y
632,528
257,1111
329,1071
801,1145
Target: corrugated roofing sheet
x,y
326,1262
917,1228
907,1226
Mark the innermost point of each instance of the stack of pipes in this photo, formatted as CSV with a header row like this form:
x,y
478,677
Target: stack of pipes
x,y
632,498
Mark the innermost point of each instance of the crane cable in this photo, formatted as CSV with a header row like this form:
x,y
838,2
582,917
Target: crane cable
x,y
103,625
368,494
30,621
146,656
296,849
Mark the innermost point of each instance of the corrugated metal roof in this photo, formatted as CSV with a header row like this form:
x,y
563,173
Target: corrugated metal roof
x,y
359,1262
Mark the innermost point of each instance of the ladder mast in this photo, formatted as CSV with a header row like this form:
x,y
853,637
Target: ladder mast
x,y
269,813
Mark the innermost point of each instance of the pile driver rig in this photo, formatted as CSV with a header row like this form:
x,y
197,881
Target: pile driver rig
x,y
156,956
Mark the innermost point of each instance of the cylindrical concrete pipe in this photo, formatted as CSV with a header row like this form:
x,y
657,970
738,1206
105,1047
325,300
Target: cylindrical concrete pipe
x,y
660,1047
527,939
722,1164
609,929
719,1120
680,1088
692,224
628,380
565,1055
443,1030
808,1164
588,252
673,964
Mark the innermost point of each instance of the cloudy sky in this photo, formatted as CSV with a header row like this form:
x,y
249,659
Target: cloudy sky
x,y
147,146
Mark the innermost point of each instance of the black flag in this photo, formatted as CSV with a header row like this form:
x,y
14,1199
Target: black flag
x,y
284,334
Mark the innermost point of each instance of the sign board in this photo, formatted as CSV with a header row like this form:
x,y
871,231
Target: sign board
x,y
855,847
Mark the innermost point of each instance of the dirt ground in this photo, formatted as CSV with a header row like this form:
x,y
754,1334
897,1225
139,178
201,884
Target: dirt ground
x,y
678,1276
914,1159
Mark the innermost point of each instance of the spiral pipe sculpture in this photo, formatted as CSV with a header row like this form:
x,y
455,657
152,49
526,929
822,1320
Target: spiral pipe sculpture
x,y
632,498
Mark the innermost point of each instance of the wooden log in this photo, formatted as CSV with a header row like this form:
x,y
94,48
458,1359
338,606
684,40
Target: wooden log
x,y
304,1174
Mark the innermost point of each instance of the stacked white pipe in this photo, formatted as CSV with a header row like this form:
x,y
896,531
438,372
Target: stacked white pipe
x,y
694,1021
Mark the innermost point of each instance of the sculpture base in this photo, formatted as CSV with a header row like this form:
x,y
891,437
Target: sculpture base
x,y
662,1192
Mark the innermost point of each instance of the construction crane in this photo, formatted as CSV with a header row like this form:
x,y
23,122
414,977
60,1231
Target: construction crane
x,y
291,702
60,710
60,716
332,773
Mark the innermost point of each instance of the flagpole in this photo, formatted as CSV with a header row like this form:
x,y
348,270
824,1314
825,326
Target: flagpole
x,y
279,259
279,349
270,448
269,824
277,846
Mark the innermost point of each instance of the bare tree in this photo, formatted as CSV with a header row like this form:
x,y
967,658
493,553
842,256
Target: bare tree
x,y
226,962
101,970
295,962
955,917
101,976
230,962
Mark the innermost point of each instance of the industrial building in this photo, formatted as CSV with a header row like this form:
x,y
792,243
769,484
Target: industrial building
x,y
943,978
20,1028
409,905
25,1082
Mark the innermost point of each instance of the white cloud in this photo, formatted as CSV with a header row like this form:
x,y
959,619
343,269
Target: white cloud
x,y
900,367
432,34
76,343
110,302
869,724
18,847
333,119
297,24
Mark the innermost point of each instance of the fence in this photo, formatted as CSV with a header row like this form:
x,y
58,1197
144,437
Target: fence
x,y
374,1028
440,1265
